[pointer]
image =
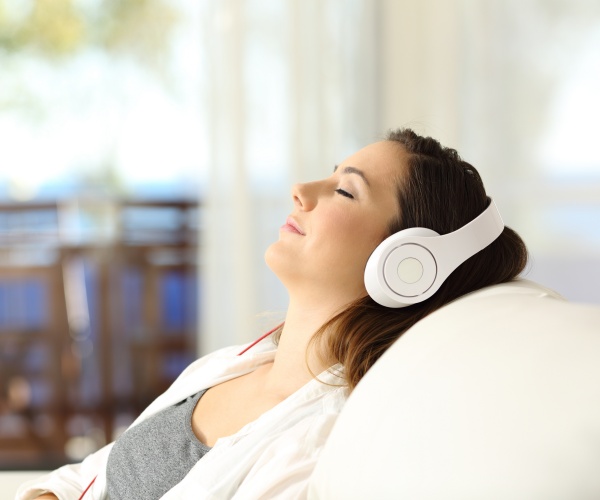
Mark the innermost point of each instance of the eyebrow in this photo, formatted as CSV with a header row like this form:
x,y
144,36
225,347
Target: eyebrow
x,y
354,170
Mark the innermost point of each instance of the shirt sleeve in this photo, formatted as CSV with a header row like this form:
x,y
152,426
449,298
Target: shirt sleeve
x,y
67,482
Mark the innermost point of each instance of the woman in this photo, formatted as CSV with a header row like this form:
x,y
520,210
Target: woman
x,y
252,425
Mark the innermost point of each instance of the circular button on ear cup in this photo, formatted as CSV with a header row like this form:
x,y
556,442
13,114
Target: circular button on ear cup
x,y
409,270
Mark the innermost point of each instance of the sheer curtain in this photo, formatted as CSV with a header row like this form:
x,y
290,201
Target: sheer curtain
x,y
513,86
290,92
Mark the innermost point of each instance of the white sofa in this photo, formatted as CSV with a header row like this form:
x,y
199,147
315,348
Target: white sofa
x,y
494,396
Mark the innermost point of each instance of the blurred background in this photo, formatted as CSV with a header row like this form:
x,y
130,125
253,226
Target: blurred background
x,y
147,149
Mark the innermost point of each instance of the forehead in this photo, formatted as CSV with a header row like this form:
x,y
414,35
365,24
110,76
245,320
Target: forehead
x,y
383,161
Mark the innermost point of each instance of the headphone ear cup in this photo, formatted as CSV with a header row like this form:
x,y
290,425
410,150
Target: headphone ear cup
x,y
400,270
411,265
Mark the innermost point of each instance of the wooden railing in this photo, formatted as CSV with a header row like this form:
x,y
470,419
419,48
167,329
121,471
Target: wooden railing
x,y
98,315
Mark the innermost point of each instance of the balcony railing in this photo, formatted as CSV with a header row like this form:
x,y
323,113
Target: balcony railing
x,y
98,315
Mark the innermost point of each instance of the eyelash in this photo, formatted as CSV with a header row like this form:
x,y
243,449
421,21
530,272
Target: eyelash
x,y
344,193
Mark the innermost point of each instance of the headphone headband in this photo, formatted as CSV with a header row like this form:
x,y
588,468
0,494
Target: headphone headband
x,y
411,265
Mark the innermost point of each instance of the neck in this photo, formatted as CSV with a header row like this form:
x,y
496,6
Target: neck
x,y
297,361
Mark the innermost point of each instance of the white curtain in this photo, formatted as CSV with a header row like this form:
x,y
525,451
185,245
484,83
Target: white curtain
x,y
291,91
513,85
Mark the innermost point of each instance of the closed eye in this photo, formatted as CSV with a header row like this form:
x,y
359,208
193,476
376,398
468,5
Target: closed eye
x,y
344,193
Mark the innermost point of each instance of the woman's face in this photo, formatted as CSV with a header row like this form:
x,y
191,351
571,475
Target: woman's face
x,y
336,224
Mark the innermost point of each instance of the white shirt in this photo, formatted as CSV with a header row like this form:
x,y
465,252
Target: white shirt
x,y
271,457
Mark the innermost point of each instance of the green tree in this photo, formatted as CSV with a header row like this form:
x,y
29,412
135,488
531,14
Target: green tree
x,y
58,28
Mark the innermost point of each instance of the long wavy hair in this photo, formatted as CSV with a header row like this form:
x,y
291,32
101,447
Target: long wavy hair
x,y
440,191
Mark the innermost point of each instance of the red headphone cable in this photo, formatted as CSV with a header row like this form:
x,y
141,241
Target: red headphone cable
x,y
260,338
88,487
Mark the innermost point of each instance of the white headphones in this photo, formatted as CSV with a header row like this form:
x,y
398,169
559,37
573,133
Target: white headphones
x,y
410,266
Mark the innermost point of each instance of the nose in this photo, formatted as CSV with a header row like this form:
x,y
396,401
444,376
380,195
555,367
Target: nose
x,y
304,196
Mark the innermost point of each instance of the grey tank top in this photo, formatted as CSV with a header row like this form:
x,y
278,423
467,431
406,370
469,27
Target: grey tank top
x,y
152,457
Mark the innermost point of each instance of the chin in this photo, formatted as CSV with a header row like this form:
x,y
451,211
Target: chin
x,y
275,260
269,255
284,265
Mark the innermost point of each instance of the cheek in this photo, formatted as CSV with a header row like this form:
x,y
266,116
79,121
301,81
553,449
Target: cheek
x,y
370,239
355,239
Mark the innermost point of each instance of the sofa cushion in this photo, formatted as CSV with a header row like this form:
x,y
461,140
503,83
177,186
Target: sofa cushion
x,y
495,396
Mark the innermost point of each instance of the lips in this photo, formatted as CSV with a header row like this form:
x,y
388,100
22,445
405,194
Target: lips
x,y
292,226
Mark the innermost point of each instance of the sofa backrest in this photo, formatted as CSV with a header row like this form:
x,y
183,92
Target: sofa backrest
x,y
494,396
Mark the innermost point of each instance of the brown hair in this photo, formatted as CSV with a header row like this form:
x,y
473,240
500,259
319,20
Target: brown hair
x,y
441,192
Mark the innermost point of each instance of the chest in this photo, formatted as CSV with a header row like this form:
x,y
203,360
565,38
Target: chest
x,y
228,407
